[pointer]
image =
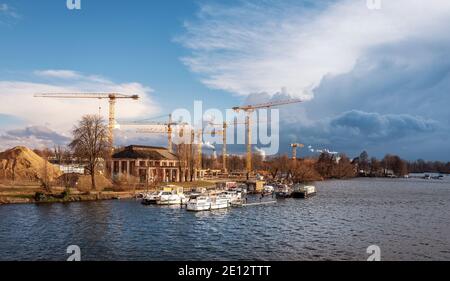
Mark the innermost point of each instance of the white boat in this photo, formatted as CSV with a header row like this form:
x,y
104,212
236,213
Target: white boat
x,y
170,198
207,203
220,202
233,196
169,195
268,189
150,198
199,203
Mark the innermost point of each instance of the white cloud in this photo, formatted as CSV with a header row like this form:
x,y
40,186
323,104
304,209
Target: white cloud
x,y
263,46
8,11
61,74
17,100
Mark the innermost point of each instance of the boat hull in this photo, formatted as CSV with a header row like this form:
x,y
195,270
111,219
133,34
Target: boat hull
x,y
148,202
282,195
302,195
208,206
198,208
220,206
169,202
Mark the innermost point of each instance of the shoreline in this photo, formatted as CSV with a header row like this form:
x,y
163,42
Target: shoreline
x,y
101,196
25,194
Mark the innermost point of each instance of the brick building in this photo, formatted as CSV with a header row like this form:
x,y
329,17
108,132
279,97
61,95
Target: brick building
x,y
148,163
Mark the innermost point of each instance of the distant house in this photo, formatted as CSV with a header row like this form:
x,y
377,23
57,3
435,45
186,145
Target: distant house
x,y
71,169
148,163
388,173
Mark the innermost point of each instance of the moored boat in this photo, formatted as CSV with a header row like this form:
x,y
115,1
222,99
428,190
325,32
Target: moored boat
x,y
150,198
232,196
170,198
268,189
220,202
169,195
283,191
304,191
199,203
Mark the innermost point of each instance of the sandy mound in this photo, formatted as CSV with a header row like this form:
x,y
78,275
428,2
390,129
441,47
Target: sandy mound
x,y
83,182
101,182
22,164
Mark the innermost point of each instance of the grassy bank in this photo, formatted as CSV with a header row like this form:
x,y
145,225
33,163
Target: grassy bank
x,y
18,193
22,193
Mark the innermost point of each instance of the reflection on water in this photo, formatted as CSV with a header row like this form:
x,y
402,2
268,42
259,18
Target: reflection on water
x,y
408,219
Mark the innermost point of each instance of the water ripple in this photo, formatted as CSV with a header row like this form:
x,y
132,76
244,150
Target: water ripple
x,y
408,219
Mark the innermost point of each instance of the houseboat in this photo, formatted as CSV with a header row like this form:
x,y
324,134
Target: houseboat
x,y
304,191
283,191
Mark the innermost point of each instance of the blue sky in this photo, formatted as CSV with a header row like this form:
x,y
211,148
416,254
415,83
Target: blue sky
x,y
372,79
120,40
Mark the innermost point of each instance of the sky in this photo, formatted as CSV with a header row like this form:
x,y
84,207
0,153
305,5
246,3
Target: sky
x,y
373,78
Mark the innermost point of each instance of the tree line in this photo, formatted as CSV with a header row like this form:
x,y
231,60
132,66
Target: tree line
x,y
394,165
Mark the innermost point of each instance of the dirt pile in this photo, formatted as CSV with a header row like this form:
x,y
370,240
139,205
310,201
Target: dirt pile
x,y
22,164
83,182
101,182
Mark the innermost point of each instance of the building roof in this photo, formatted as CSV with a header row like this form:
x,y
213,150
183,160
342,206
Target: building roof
x,y
145,152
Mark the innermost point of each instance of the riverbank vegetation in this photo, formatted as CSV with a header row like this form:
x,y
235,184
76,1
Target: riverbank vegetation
x,y
331,166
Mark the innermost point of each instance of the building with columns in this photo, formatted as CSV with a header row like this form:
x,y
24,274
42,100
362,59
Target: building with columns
x,y
147,163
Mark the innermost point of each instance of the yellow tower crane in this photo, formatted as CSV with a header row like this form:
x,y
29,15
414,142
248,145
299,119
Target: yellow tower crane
x,y
223,132
155,128
294,149
199,134
112,97
249,109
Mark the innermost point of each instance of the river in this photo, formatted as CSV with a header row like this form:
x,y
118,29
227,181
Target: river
x,y
409,219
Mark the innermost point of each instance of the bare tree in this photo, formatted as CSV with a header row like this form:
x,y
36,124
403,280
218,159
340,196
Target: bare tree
x,y
90,143
45,181
343,169
303,171
186,160
60,154
279,166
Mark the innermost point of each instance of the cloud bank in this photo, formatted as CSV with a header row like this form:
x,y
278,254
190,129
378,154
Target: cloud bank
x,y
263,46
374,79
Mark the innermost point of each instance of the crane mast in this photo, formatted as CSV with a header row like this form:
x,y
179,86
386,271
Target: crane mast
x,y
151,127
249,109
294,149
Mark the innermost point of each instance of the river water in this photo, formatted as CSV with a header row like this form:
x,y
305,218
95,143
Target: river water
x,y
409,219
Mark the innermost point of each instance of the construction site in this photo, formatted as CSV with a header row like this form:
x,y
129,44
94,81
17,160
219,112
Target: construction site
x,y
99,168
135,167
